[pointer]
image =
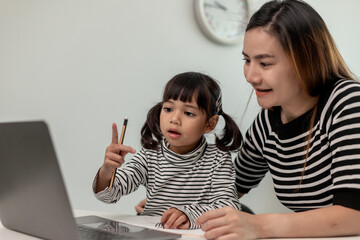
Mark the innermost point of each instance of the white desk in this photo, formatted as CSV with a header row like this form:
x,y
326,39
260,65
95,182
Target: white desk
x,y
6,234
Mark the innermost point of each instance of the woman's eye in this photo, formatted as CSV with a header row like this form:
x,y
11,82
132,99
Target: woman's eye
x,y
246,60
264,64
189,114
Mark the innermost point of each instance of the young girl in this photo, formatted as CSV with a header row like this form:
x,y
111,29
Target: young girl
x,y
184,176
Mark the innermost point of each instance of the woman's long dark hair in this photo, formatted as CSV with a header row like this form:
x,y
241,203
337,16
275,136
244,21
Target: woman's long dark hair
x,y
306,40
309,45
184,87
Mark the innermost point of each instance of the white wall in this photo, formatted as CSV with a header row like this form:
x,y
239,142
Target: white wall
x,y
83,64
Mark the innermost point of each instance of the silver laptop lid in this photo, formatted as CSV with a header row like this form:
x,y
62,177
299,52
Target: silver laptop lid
x,y
33,198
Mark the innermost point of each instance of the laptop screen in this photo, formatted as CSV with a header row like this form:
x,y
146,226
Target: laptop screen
x,y
33,198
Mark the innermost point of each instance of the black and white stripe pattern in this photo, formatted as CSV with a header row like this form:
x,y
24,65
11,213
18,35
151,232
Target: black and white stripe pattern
x,y
194,183
333,164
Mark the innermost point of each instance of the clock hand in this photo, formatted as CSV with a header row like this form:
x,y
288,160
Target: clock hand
x,y
217,5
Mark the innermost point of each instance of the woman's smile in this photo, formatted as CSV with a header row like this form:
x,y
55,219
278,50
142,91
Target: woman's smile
x,y
262,92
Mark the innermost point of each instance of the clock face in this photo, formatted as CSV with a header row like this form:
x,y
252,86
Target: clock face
x,y
224,21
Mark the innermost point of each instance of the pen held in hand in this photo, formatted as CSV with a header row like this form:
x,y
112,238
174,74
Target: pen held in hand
x,y
121,142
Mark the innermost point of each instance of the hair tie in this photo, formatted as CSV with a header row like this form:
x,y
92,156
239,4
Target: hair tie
x,y
218,105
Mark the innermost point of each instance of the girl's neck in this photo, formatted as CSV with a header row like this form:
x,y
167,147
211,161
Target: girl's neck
x,y
182,150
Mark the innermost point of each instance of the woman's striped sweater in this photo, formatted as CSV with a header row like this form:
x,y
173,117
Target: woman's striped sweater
x,y
332,172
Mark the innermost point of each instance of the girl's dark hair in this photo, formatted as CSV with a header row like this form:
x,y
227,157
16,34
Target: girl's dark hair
x,y
207,92
309,45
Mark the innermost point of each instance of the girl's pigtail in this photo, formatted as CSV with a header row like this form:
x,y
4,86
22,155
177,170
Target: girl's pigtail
x,y
231,135
151,128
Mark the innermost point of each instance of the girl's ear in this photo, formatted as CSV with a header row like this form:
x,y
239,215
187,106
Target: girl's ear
x,y
211,124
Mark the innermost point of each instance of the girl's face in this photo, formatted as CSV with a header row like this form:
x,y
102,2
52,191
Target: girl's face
x,y
183,124
267,68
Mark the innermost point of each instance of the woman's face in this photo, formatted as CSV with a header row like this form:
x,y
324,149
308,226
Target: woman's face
x,y
267,68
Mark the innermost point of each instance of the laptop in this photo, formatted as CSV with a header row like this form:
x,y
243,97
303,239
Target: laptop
x,y
33,198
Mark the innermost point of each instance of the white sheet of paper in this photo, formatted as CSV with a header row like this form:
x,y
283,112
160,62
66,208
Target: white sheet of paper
x,y
151,221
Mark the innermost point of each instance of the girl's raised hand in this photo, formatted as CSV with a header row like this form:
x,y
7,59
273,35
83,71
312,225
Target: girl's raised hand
x,y
112,159
174,218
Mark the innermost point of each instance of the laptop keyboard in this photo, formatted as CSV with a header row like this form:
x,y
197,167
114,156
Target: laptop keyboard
x,y
95,234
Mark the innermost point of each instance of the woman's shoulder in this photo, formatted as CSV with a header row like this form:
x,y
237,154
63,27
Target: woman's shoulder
x,y
341,98
342,91
345,85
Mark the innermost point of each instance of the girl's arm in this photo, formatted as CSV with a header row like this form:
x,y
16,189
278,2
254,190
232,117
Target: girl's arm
x,y
127,179
105,172
325,222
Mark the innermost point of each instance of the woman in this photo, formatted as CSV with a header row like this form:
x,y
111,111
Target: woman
x,y
307,135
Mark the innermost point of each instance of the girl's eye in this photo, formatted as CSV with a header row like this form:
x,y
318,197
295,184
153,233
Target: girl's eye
x,y
189,114
264,64
246,60
167,109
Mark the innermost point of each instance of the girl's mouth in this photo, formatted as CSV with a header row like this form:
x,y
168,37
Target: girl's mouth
x,y
173,133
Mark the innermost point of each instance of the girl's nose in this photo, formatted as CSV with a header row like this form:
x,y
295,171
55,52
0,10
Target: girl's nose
x,y
175,118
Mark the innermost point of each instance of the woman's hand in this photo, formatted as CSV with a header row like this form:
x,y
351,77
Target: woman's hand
x,y
227,223
140,206
112,159
174,218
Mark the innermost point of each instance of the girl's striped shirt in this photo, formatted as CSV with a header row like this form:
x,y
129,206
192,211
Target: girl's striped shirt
x,y
194,183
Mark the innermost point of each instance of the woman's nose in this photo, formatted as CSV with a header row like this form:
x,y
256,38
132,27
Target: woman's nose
x,y
252,74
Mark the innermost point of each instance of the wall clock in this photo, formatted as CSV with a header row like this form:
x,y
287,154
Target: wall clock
x,y
223,21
